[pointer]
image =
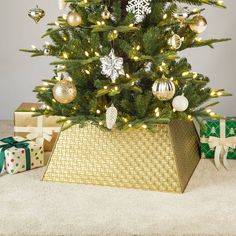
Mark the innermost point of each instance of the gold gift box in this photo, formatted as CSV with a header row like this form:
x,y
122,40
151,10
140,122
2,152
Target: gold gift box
x,y
163,161
24,121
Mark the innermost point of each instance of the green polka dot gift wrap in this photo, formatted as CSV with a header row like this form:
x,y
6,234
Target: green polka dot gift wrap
x,y
18,155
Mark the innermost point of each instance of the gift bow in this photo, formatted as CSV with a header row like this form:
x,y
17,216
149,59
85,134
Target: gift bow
x,y
38,133
11,142
221,146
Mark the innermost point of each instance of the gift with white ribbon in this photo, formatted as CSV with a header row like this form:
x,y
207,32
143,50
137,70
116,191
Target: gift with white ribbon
x,y
39,133
221,145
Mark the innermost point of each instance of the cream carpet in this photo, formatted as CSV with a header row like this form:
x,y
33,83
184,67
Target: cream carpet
x,y
31,207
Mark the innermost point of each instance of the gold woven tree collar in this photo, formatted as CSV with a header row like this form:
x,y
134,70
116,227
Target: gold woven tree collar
x,y
138,159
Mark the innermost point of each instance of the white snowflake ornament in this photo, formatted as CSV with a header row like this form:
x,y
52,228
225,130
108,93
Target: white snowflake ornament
x,y
140,8
112,66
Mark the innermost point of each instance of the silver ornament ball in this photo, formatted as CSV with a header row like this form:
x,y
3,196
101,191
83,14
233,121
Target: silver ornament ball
x,y
181,14
74,19
180,103
199,24
64,91
47,51
163,89
106,15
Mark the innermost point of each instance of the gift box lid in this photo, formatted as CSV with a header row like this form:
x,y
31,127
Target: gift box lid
x,y
27,107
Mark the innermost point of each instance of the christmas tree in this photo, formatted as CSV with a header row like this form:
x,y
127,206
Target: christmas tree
x,y
119,65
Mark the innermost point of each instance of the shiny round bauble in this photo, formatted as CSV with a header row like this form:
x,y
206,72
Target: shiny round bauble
x,y
106,15
47,51
175,41
199,24
74,19
163,89
181,14
64,91
180,103
36,14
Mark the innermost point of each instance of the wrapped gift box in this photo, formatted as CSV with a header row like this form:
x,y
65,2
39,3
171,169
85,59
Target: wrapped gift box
x,y
18,155
218,138
41,128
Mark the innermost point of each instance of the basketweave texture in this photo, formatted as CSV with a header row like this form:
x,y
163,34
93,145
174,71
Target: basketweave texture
x,y
131,159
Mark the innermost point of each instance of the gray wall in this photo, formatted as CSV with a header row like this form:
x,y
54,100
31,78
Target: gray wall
x,y
20,74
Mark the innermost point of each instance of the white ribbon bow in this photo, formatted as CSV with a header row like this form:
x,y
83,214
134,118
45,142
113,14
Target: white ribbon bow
x,y
221,145
39,133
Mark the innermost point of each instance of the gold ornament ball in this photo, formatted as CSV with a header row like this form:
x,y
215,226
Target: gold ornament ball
x,y
163,89
175,41
106,15
199,25
64,91
74,19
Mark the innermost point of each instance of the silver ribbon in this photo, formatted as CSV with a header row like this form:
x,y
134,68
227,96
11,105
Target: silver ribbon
x,y
39,133
221,145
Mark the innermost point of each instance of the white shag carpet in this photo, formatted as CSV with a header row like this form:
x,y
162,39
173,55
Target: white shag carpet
x,y
29,206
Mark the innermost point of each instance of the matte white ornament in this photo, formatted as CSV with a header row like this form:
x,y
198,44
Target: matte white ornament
x,y
111,116
180,103
140,8
62,4
112,66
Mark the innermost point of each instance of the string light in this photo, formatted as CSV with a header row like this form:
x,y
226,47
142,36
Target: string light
x,y
33,47
220,2
130,125
213,93
190,117
127,76
165,16
97,54
68,121
219,93
105,87
125,119
138,48
87,72
185,73
100,123
212,113
64,16
157,112
33,109
144,126
116,88
86,54
98,111
131,25
195,75
65,55
57,23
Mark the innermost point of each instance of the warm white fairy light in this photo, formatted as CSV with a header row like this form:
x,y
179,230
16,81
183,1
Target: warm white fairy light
x,y
127,76
208,110
144,126
65,55
220,2
165,16
97,54
87,72
64,16
195,75
100,123
130,125
190,117
219,93
138,47
185,73
98,112
198,39
86,54
68,121
33,47
125,119
213,93
57,23
45,83
33,109
131,25
54,100
105,87
116,88
212,113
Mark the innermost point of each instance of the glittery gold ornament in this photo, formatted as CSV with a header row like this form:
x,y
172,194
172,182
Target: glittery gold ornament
x,y
74,19
64,91
36,14
199,25
163,89
175,41
106,15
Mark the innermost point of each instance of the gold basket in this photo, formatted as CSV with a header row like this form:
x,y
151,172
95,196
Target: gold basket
x,y
163,161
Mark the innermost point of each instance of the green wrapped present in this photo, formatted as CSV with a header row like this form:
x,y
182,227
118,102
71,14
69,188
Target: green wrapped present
x,y
218,140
